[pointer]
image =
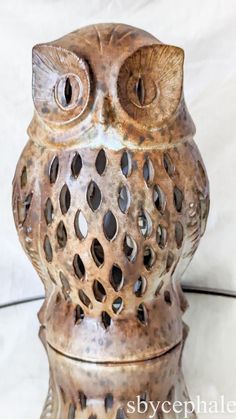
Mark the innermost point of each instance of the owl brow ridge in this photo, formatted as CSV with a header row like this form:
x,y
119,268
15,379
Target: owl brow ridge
x,y
99,39
112,33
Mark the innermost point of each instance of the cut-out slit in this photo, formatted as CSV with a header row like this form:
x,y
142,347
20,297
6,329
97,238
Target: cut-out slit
x,y
76,165
130,248
23,179
99,291
85,299
149,257
124,199
140,90
144,223
169,261
68,91
65,286
161,236
120,414
202,173
140,286
168,165
108,402
61,235
49,212
78,266
81,226
53,171
117,305
65,199
167,297
116,278
159,199
101,162
109,225
72,411
97,252
82,400
142,314
94,196
79,314
148,172
47,249
159,287
126,164
23,208
179,234
106,319
178,199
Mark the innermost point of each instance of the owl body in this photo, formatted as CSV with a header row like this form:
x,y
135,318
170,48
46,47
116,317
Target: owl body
x,y
110,195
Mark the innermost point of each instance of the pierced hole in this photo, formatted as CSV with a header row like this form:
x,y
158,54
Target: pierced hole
x,y
148,172
65,286
116,278
106,319
78,267
178,199
126,164
23,208
85,299
159,287
169,261
65,199
140,286
81,226
120,413
97,253
108,401
23,179
109,225
159,198
92,417
99,291
144,397
79,314
61,235
130,248
53,171
149,257
145,223
124,199
82,400
49,212
202,173
167,297
117,305
72,411
93,196
47,249
76,165
140,90
68,91
161,236
168,165
101,162
142,314
179,234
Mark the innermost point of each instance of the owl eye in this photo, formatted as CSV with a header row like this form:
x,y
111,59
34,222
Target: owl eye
x,y
149,84
61,84
68,91
141,90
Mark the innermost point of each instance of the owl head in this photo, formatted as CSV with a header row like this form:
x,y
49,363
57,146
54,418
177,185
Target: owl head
x,y
111,79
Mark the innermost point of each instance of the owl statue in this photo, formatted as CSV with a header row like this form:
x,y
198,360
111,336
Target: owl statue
x,y
110,194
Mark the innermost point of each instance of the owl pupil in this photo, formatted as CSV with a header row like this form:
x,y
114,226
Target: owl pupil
x,y
140,90
68,91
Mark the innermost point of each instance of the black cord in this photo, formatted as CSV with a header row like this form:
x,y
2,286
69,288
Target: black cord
x,y
186,288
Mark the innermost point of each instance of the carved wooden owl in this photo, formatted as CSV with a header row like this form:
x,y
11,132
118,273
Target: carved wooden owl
x,y
110,193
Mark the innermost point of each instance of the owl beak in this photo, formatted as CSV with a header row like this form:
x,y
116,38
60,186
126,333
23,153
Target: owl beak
x,y
107,114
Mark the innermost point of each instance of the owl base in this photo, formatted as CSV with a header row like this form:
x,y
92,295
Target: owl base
x,y
80,390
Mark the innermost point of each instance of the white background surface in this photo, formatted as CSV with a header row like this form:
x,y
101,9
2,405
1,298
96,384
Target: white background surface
x,y
206,30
